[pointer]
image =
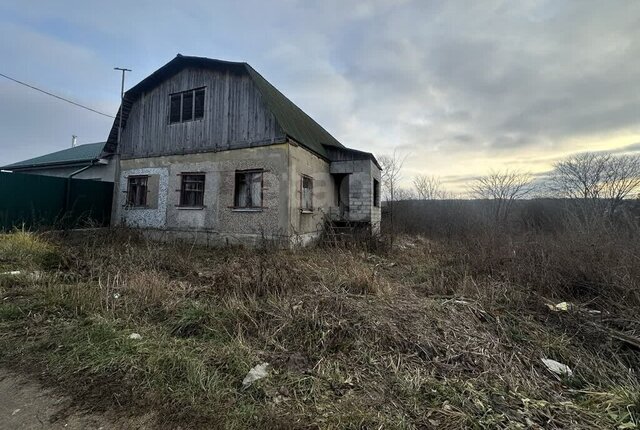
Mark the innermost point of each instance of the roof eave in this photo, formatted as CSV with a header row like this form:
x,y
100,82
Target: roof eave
x,y
47,165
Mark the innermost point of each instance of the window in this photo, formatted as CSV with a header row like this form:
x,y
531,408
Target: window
x,y
306,202
192,190
248,194
137,191
376,192
186,106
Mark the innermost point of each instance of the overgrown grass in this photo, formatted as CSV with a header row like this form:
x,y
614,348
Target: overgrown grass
x,y
419,337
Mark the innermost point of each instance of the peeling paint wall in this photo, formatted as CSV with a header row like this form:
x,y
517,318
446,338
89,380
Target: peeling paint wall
x,y
218,221
154,217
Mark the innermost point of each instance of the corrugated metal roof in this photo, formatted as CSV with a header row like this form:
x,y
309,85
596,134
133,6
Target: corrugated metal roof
x,y
79,154
293,120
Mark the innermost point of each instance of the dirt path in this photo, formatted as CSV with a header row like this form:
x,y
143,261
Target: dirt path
x,y
25,404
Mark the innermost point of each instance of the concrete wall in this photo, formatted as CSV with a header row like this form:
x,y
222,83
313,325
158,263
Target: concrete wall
x,y
361,175
98,172
218,222
305,226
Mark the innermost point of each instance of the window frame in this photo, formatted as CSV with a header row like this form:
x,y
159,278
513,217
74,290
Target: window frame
x,y
376,193
236,187
183,191
130,202
303,208
193,92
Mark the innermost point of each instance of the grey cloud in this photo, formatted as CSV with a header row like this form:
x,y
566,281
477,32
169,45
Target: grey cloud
x,y
460,79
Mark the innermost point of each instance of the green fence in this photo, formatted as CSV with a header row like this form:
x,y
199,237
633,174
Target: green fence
x,y
36,201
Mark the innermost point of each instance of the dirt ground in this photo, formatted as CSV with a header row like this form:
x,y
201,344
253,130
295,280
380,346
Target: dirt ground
x,y
25,404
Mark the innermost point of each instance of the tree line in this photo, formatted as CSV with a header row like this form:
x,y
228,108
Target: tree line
x,y
594,181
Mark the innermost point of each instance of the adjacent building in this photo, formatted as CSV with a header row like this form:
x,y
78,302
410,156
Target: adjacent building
x,y
86,161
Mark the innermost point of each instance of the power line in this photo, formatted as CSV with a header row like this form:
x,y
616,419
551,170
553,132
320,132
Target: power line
x,y
53,95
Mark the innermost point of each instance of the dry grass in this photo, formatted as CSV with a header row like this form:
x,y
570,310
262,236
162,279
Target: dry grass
x,y
422,337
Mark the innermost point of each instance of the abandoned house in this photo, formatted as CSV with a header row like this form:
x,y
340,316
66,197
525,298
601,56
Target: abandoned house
x,y
210,151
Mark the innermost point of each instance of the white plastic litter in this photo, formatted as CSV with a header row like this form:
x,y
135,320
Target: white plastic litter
x,y
562,306
135,336
557,367
258,372
13,272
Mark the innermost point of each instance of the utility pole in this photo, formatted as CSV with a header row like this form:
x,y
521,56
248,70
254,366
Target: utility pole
x,y
121,102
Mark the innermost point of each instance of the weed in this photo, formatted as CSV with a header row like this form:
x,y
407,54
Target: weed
x,y
431,335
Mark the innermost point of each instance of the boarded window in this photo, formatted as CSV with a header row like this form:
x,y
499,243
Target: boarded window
x,y
186,106
248,191
376,192
307,193
137,191
192,190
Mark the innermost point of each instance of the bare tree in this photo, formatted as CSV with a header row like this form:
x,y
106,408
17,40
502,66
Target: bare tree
x,y
597,180
503,189
621,179
428,187
405,194
579,176
391,172
391,175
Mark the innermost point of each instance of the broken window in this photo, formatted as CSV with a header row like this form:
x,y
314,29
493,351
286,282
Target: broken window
x,y
192,190
174,116
376,192
137,191
307,193
198,109
186,106
248,191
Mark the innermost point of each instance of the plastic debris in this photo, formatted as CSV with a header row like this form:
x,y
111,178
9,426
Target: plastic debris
x,y
561,307
13,272
135,336
557,367
116,295
258,372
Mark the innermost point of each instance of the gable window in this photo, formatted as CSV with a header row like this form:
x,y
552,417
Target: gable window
x,y
192,190
137,191
248,190
306,201
376,192
186,106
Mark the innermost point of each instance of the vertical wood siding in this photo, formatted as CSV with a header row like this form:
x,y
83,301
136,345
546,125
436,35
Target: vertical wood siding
x,y
235,116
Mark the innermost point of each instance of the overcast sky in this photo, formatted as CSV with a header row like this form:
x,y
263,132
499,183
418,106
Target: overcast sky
x,y
463,87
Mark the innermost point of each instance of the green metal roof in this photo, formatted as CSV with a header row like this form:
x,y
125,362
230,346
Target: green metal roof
x,y
79,154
